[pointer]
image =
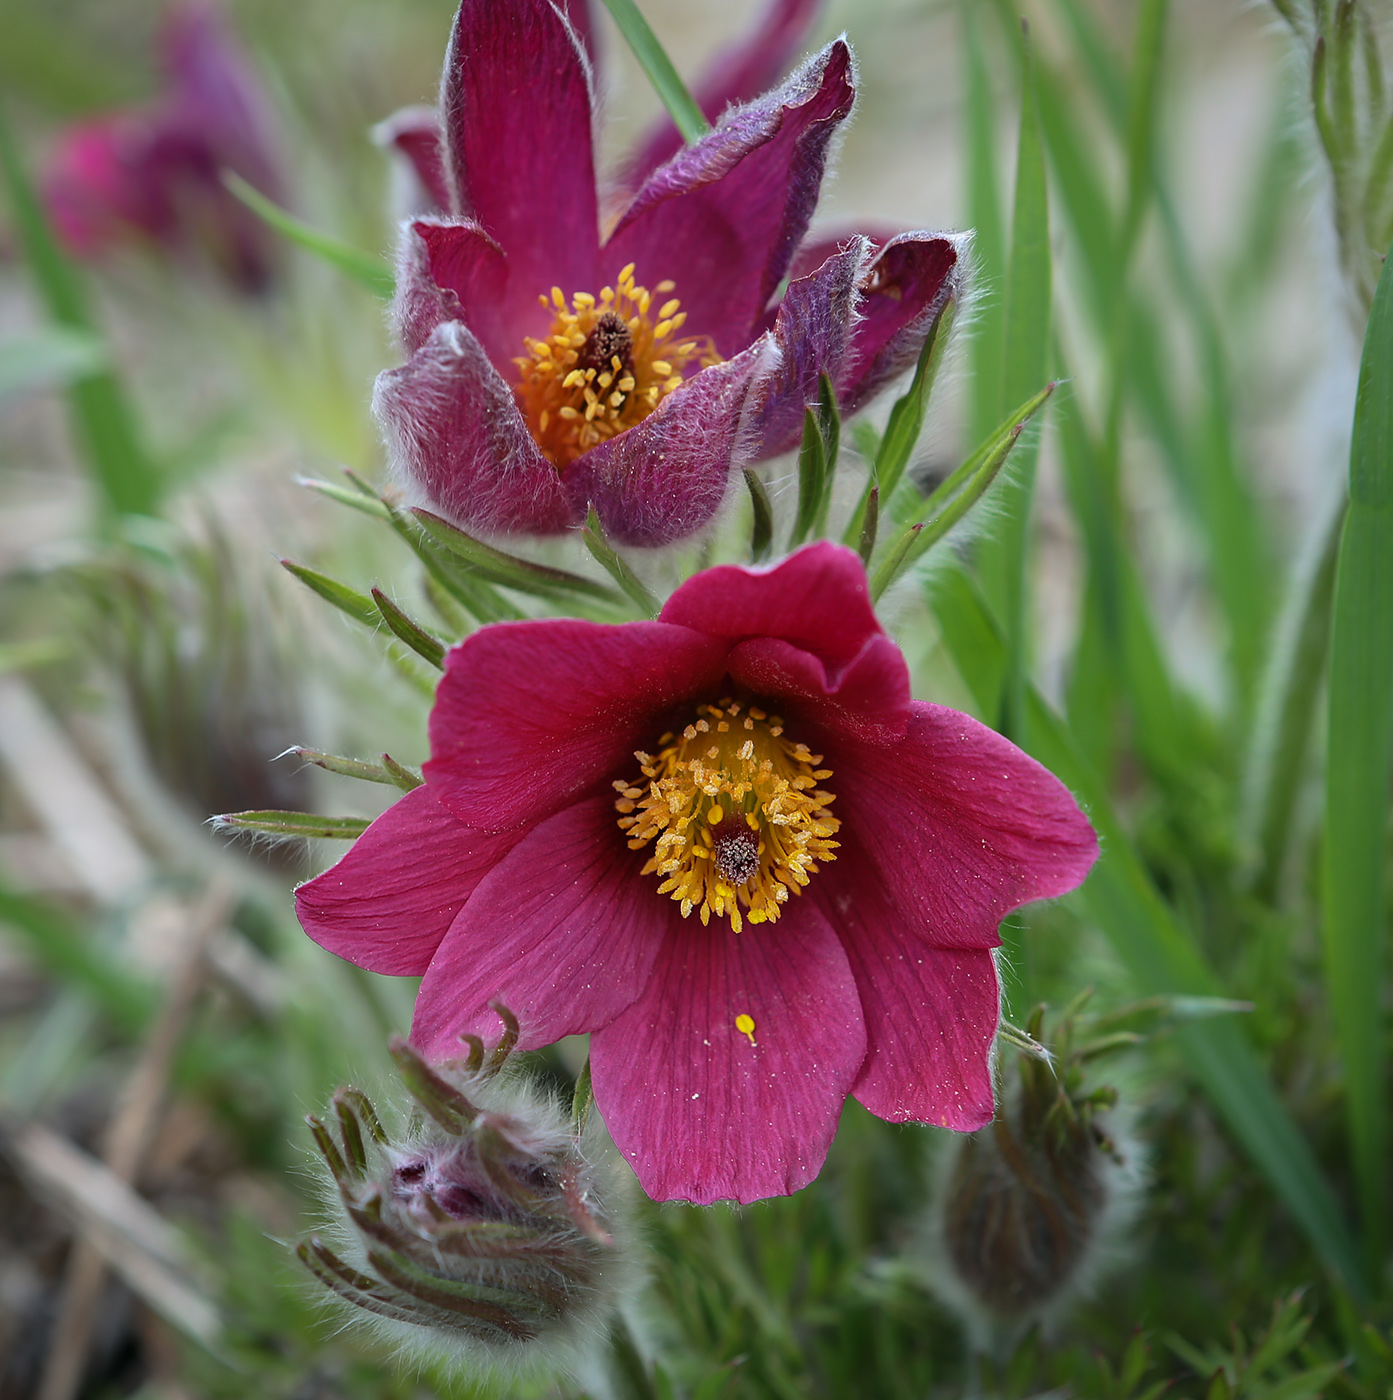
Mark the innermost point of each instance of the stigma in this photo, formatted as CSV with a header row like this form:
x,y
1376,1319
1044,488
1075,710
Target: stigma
x,y
735,813
605,365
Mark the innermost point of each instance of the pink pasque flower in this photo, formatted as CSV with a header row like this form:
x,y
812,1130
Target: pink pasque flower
x,y
730,846
552,367
155,172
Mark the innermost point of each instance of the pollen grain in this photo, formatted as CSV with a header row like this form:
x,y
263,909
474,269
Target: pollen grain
x,y
736,813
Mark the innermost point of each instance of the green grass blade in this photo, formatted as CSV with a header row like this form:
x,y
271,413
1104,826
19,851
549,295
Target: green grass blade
x,y
1275,764
1358,759
686,115
51,357
1160,954
1002,557
987,350
125,475
364,268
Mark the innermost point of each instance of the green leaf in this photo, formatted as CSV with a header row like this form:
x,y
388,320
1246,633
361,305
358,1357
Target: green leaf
x,y
686,115
365,268
426,646
50,357
1359,756
906,419
762,521
812,474
508,569
121,470
1161,955
594,536
933,518
356,605
292,825
870,524
389,771
353,499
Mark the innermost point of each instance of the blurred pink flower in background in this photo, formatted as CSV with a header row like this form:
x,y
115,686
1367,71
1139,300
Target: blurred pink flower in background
x,y
629,830
154,173
554,367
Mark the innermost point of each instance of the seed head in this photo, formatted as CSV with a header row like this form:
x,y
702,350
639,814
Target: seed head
x,y
481,1226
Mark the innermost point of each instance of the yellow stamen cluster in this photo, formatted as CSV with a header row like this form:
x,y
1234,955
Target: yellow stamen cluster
x,y
737,812
605,365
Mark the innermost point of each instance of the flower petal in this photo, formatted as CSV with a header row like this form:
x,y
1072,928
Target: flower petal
x,y
413,135
453,428
531,715
722,219
563,931
817,599
813,330
704,1112
387,904
905,287
449,271
960,827
739,74
665,478
868,701
517,114
931,1013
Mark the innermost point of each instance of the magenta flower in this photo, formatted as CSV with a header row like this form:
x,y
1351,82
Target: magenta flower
x,y
731,847
551,369
155,172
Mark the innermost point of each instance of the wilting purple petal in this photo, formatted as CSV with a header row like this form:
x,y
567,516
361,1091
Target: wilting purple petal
x,y
529,714
666,477
387,904
723,218
813,330
453,427
562,932
905,287
704,1111
738,74
413,135
517,113
451,270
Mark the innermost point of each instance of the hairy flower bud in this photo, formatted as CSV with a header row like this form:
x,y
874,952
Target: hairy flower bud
x,y
1028,1206
480,1225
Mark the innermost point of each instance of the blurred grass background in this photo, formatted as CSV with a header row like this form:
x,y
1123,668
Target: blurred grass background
x,y
1160,564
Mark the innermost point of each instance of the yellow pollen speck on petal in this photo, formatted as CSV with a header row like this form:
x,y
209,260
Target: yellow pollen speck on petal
x,y
610,342
745,1024
734,825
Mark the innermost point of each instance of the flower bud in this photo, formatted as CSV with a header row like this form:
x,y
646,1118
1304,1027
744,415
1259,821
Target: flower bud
x,y
480,1225
1028,1207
